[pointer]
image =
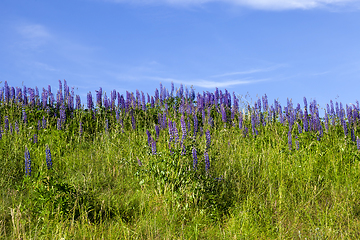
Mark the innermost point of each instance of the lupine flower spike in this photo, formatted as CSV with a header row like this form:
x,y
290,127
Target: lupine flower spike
x,y
207,161
27,163
139,162
48,157
208,138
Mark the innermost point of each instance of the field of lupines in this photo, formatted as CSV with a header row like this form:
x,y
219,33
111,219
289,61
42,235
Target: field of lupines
x,y
176,165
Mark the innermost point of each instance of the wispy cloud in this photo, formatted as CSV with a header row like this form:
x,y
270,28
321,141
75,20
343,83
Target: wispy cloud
x,y
247,72
210,84
33,35
43,66
256,4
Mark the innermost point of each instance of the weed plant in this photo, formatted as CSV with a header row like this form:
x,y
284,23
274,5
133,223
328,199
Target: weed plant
x,y
176,165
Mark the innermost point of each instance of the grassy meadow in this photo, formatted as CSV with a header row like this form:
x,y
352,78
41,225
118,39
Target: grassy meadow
x,y
176,165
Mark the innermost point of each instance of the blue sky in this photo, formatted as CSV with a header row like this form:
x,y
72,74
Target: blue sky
x,y
282,48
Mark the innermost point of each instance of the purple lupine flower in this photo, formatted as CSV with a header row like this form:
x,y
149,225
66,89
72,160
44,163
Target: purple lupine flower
x,y
342,111
181,107
240,121
153,146
149,137
183,128
159,119
297,144
289,140
58,124
320,130
117,115
299,128
66,90
148,97
25,95
11,128
62,113
38,125
195,160
17,127
265,103
305,103
43,122
203,115
60,86
332,112
106,125
207,161
345,127
122,123
259,104
305,121
80,129
223,113
27,163
171,132
12,94
181,91
156,95
48,157
139,162
326,121
163,124
208,138
358,143
113,99
18,95
253,123
143,102
232,113
172,89
6,123
183,149
152,102
44,98
99,97
157,130
188,126
105,101
192,95
35,138
176,133
133,123
24,116
78,102
8,92
352,135
210,120
245,132
195,124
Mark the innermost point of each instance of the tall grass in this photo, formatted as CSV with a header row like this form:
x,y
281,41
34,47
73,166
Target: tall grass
x,y
176,165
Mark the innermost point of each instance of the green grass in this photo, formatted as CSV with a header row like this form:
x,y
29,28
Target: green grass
x,y
97,190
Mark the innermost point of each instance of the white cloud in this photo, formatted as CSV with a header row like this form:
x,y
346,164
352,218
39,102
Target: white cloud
x,y
256,4
33,35
210,84
247,72
43,66
33,31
